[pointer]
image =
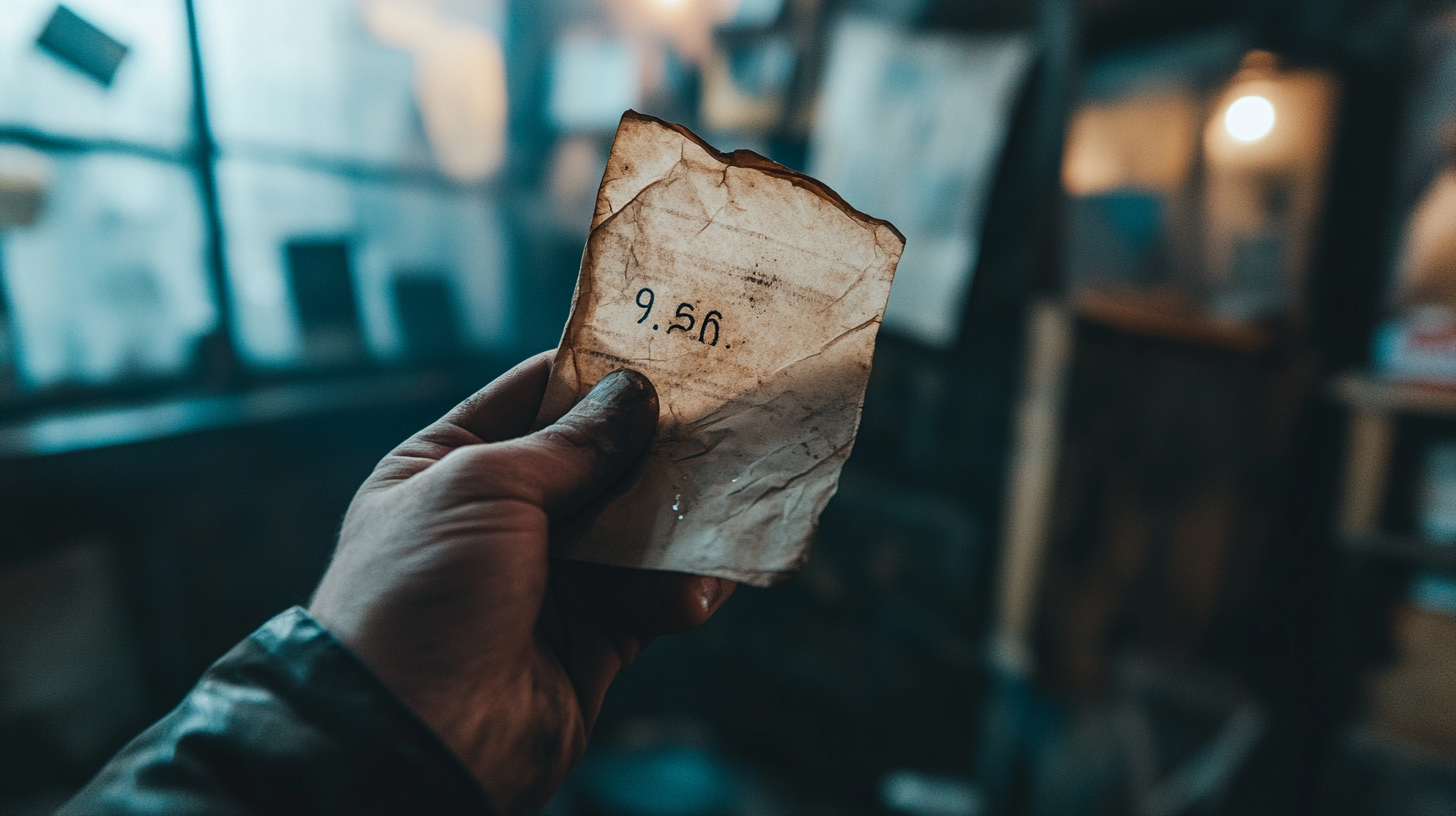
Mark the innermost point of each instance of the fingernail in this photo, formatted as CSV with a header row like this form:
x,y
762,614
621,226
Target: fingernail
x,y
623,388
709,589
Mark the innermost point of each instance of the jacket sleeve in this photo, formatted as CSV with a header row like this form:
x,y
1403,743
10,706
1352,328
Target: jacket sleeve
x,y
289,721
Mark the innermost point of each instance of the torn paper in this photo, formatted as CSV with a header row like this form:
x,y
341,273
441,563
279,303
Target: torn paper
x,y
751,296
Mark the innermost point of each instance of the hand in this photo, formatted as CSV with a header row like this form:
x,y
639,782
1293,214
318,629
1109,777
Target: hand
x,y
441,582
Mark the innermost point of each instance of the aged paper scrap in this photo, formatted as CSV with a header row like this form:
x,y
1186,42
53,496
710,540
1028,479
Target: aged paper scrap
x,y
751,296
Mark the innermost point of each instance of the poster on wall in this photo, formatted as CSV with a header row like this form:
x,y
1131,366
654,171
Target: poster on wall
x,y
911,127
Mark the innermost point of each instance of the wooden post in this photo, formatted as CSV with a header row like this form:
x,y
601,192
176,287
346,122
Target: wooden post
x,y
1031,486
1367,469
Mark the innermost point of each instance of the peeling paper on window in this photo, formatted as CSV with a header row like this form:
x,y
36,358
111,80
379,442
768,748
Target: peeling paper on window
x,y
751,295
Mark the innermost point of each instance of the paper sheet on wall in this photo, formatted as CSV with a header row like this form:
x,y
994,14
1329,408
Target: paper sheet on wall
x,y
911,126
751,295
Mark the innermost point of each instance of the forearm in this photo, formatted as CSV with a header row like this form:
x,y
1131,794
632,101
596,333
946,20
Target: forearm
x,y
287,722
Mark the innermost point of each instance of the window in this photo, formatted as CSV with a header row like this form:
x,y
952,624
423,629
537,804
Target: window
x,y
343,169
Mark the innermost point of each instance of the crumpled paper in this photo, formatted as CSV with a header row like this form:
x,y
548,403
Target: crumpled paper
x,y
751,295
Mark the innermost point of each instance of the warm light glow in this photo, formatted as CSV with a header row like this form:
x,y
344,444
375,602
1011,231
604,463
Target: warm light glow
x,y
460,82
670,3
1249,118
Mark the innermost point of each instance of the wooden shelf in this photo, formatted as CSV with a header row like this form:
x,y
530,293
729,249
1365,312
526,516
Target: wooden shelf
x,y
72,431
1164,316
1372,393
1404,548
1392,746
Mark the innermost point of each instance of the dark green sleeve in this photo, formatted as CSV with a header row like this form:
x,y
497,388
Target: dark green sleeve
x,y
289,721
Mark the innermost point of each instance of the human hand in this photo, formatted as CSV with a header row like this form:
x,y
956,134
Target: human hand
x,y
442,585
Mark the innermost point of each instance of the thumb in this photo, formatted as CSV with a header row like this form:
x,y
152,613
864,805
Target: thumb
x,y
568,463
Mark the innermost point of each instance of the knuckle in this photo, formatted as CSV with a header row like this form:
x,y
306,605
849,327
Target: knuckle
x,y
500,471
473,466
586,437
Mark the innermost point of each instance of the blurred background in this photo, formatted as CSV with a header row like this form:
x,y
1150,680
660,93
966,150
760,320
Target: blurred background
x,y
1153,507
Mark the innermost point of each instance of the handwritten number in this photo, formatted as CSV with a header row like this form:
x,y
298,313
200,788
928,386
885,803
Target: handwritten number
x,y
711,319
648,305
685,311
688,315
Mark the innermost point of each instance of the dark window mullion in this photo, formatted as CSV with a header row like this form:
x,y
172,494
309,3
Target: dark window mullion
x,y
53,143
217,354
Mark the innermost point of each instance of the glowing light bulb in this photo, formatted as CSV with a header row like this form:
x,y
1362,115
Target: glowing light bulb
x,y
1249,118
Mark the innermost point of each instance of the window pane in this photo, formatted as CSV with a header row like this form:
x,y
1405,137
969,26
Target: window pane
x,y
397,83
148,100
327,269
108,282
